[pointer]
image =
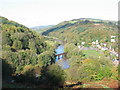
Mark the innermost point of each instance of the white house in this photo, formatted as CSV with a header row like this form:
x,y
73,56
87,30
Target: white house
x,y
104,48
83,43
96,41
93,43
116,62
113,36
78,46
104,44
99,46
110,48
112,40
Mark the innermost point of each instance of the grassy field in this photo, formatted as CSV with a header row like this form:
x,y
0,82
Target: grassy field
x,y
91,53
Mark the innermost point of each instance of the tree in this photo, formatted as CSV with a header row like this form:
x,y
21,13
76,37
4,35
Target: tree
x,y
7,69
17,45
6,48
47,57
6,38
32,45
54,75
25,42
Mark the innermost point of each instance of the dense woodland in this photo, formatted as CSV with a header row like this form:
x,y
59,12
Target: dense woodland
x,y
26,55
29,58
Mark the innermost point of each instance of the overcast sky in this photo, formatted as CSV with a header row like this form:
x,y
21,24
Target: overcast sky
x,y
50,12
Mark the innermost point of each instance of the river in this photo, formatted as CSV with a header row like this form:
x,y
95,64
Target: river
x,y
62,61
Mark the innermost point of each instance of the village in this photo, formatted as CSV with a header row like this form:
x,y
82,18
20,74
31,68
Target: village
x,y
96,45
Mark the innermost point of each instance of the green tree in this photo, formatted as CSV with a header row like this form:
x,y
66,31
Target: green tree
x,y
6,48
47,57
32,45
54,75
17,45
6,38
7,69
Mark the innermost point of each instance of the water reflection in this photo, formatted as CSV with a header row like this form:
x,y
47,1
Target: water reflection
x,y
61,61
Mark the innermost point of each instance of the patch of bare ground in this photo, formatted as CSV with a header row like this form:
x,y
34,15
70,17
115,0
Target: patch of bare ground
x,y
105,83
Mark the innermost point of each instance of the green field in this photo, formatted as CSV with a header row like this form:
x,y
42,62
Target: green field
x,y
72,22
91,53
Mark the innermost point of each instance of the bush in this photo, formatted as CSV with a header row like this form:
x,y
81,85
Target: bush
x,y
7,69
54,75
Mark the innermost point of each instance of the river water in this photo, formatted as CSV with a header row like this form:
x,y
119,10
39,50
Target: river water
x,y
62,61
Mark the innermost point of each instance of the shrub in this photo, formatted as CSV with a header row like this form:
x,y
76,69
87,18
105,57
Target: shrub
x,y
54,75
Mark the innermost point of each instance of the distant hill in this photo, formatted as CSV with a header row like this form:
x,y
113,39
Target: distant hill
x,y
84,30
40,29
76,22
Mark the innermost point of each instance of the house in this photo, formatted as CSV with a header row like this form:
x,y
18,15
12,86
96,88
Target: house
x,y
104,44
96,41
116,62
93,43
113,36
112,40
79,46
110,48
83,43
104,48
99,46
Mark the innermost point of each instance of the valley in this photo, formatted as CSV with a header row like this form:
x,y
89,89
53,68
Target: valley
x,y
75,54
